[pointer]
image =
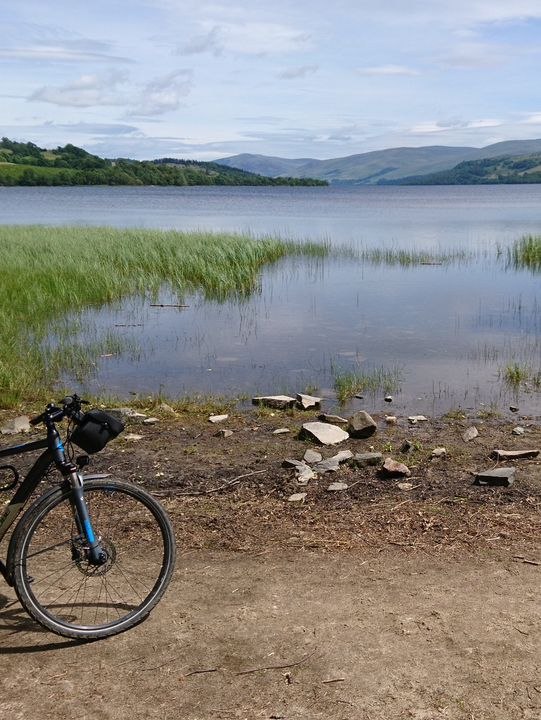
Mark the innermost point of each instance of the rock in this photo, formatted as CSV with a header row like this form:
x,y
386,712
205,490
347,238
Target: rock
x,y
342,456
132,437
367,459
388,398
330,465
297,464
439,452
127,415
393,468
218,418
470,434
334,419
514,454
311,456
307,401
305,475
280,402
19,424
359,396
324,433
497,477
414,419
406,447
165,408
361,425
151,421
281,431
223,433
391,419
404,486
297,497
333,487
513,408
518,430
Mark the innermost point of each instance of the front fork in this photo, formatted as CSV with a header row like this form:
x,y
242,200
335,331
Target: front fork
x,y
97,554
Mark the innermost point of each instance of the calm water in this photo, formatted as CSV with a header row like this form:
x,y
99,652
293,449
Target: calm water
x,y
451,329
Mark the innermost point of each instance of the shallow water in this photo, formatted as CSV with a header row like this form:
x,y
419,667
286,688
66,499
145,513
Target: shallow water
x,y
451,329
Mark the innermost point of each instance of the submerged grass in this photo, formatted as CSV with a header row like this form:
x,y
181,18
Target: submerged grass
x,y
347,384
51,272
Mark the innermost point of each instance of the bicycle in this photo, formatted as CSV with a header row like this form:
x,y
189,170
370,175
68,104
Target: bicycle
x,y
91,557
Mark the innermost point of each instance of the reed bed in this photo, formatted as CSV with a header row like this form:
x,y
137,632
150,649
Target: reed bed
x,y
525,254
53,273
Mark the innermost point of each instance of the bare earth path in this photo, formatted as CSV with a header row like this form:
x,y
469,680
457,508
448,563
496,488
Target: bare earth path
x,y
350,635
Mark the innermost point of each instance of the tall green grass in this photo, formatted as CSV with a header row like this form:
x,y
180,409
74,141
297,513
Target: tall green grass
x,y
526,253
347,384
48,273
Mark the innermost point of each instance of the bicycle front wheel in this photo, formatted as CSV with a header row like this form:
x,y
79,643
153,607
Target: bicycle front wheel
x,y
55,579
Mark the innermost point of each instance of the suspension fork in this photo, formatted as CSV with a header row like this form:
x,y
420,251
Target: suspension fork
x,y
97,554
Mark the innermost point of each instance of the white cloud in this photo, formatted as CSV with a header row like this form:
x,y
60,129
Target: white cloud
x,y
86,91
163,94
297,72
387,70
247,38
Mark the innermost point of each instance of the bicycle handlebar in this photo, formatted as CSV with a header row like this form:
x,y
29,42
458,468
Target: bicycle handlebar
x,y
71,407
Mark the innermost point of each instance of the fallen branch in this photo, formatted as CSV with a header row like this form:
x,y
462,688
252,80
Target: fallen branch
x,y
225,485
199,672
276,667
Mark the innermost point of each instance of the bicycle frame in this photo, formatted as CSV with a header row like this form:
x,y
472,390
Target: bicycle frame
x,y
54,453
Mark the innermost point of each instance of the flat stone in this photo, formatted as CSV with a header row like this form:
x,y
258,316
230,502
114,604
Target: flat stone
x,y
218,418
514,454
165,408
127,414
404,486
223,433
280,402
391,419
297,497
312,456
305,475
497,477
361,425
470,434
336,419
414,419
291,463
334,487
439,452
388,398
393,468
281,431
330,465
132,437
151,421
367,459
407,447
518,430
324,433
342,456
307,401
19,424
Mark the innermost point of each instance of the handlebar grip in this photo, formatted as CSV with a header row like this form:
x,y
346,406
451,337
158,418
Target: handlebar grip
x,y
37,420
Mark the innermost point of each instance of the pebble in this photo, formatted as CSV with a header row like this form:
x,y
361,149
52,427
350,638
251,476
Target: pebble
x,y
151,421
281,431
311,456
297,497
439,452
414,419
133,437
392,467
391,419
218,418
470,434
404,486
19,424
333,487
518,430
223,433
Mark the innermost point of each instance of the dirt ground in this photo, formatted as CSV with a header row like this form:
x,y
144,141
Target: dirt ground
x,y
372,603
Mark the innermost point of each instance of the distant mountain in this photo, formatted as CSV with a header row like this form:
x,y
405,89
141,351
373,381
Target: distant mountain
x,y
379,166
504,169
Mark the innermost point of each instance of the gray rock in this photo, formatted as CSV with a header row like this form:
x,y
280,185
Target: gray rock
x,y
414,419
312,456
223,433
218,418
151,421
132,437
518,430
388,398
19,424
439,452
361,425
407,447
497,477
335,419
297,497
291,463
324,433
404,486
392,468
165,408
281,431
127,415
280,402
367,459
391,419
307,401
514,454
305,475
343,456
330,465
334,487
470,434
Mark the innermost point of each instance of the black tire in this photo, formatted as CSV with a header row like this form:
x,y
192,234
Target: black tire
x,y
67,594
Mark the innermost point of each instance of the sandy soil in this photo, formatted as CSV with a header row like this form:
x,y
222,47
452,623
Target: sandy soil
x,y
374,602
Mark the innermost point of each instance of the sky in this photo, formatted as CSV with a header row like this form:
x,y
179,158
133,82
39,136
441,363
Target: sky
x,y
289,78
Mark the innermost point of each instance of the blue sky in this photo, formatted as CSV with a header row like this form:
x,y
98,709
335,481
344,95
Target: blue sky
x,y
204,80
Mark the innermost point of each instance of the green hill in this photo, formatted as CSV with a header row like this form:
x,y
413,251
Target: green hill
x,y
499,170
379,166
28,164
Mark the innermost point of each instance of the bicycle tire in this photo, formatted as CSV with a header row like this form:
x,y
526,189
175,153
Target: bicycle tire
x,y
63,591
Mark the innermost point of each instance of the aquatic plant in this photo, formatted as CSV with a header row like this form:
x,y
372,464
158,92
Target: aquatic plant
x,y
525,253
347,384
